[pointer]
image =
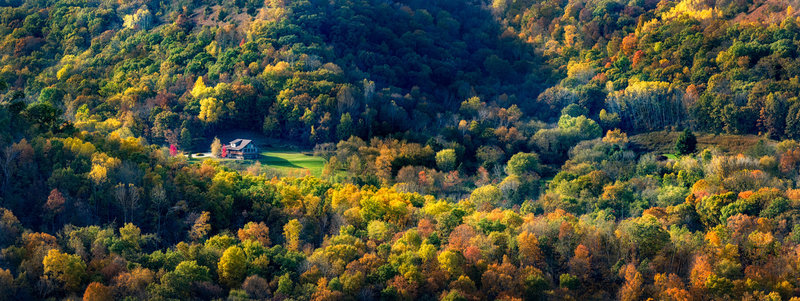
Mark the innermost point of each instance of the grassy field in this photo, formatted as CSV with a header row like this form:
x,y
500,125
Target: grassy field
x,y
671,156
284,162
278,157
292,162
664,142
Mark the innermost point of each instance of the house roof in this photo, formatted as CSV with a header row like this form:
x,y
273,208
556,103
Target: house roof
x,y
238,144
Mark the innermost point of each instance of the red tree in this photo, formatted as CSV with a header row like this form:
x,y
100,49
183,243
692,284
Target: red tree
x,y
173,150
224,152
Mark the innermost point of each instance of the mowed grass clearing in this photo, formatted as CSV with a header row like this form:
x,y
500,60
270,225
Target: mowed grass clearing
x,y
285,162
292,162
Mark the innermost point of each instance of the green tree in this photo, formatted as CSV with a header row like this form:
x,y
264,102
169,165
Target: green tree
x,y
285,285
792,129
446,159
271,126
646,234
608,120
710,208
187,141
580,128
488,195
453,262
497,66
179,282
43,115
574,110
50,95
522,164
686,143
489,155
345,128
568,281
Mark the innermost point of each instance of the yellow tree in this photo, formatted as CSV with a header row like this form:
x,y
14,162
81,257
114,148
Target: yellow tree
x,y
291,232
232,267
131,235
69,269
211,109
201,227
529,252
216,147
200,89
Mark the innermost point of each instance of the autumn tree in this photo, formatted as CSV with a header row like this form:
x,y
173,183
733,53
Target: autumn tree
x,y
291,233
201,226
216,147
529,251
97,292
256,287
54,205
256,232
211,109
647,106
69,269
232,267
581,262
632,289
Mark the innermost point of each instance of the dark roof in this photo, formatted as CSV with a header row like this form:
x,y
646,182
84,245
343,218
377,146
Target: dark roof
x,y
238,144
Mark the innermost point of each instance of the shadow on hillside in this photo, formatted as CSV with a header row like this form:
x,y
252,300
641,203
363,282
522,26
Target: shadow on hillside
x,y
276,161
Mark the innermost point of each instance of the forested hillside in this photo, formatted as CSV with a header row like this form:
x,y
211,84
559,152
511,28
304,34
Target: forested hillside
x,y
474,150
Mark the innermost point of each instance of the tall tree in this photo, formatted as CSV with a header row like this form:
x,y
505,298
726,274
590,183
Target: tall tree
x,y
686,143
216,147
232,267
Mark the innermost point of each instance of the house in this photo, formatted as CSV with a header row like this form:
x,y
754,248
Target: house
x,y
241,149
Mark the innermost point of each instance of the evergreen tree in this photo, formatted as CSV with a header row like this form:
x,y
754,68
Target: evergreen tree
x,y
686,143
186,139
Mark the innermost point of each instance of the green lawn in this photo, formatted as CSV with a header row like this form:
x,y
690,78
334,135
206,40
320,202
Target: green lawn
x,y
286,162
292,162
671,156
